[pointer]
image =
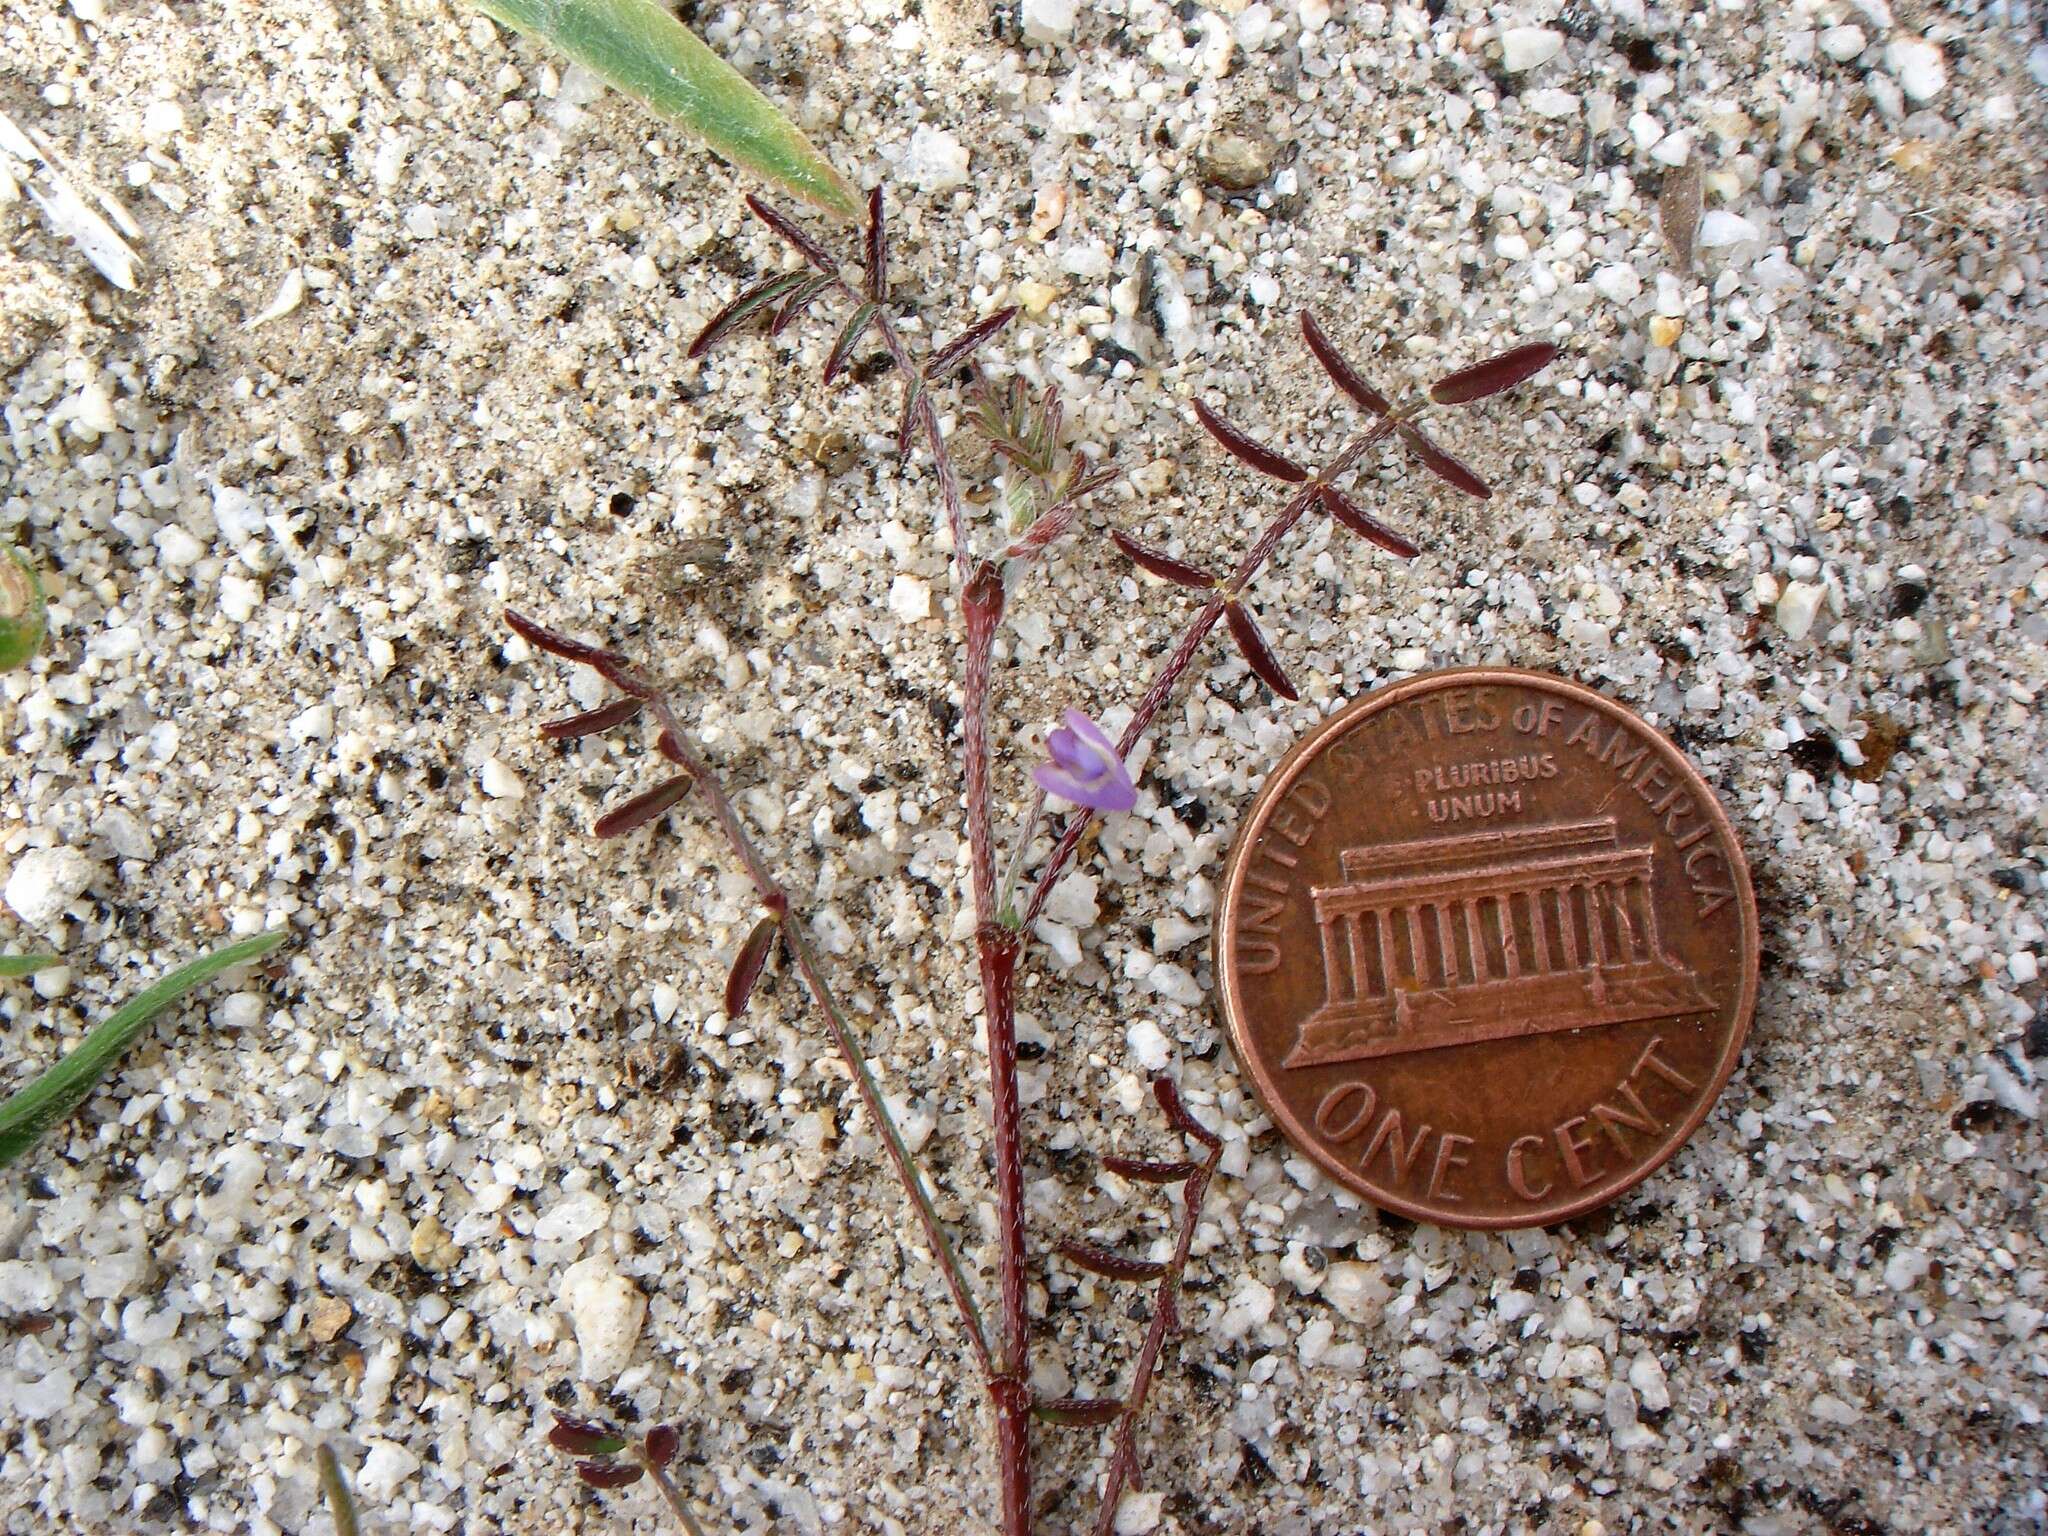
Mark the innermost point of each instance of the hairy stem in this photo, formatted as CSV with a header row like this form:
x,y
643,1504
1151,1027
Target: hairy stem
x,y
341,1503
676,745
997,949
981,609
1177,662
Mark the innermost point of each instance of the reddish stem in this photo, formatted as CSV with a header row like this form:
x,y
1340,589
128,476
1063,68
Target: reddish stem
x,y
981,609
997,949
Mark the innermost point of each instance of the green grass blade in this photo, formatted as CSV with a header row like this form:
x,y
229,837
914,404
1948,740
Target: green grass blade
x,y
25,1117
24,965
638,47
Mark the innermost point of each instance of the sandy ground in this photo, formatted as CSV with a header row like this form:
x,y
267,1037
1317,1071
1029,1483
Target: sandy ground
x,y
405,340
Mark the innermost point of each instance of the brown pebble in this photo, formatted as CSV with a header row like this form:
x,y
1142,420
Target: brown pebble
x,y
326,1318
432,1248
1237,159
1882,738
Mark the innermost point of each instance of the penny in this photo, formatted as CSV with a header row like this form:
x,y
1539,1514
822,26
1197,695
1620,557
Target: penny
x,y
1487,948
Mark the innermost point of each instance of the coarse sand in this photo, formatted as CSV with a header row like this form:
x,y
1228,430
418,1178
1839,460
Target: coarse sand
x,y
326,331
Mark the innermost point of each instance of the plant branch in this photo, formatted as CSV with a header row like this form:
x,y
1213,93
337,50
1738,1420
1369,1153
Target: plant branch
x,y
981,608
1183,654
776,900
1123,1463
997,949
674,745
341,1504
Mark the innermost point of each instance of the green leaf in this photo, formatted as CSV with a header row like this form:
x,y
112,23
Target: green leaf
x,y
639,48
24,965
23,616
25,1117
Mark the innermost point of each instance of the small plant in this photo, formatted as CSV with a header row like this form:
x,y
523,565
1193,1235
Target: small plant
x,y
1042,485
599,1449
1043,488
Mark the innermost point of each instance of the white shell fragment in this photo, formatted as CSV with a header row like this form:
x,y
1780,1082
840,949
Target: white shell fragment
x,y
65,207
289,294
606,1310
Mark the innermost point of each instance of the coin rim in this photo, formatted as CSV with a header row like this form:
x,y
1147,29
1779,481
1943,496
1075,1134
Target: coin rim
x,y
1227,989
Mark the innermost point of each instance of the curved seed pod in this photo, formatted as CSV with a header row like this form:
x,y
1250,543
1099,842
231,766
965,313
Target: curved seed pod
x,y
558,644
946,358
1257,654
1442,464
662,1443
849,338
1078,1411
751,302
585,1437
1341,373
643,807
1494,375
1362,523
747,964
610,1474
591,721
877,252
1167,1092
795,234
1161,564
1148,1173
1113,1266
798,301
1249,449
639,48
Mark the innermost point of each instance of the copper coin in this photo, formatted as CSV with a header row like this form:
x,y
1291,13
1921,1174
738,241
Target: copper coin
x,y
1487,949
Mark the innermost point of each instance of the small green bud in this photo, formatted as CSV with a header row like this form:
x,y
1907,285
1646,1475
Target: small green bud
x,y
22,614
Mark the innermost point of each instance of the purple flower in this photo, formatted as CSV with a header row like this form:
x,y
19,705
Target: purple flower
x,y
1086,767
